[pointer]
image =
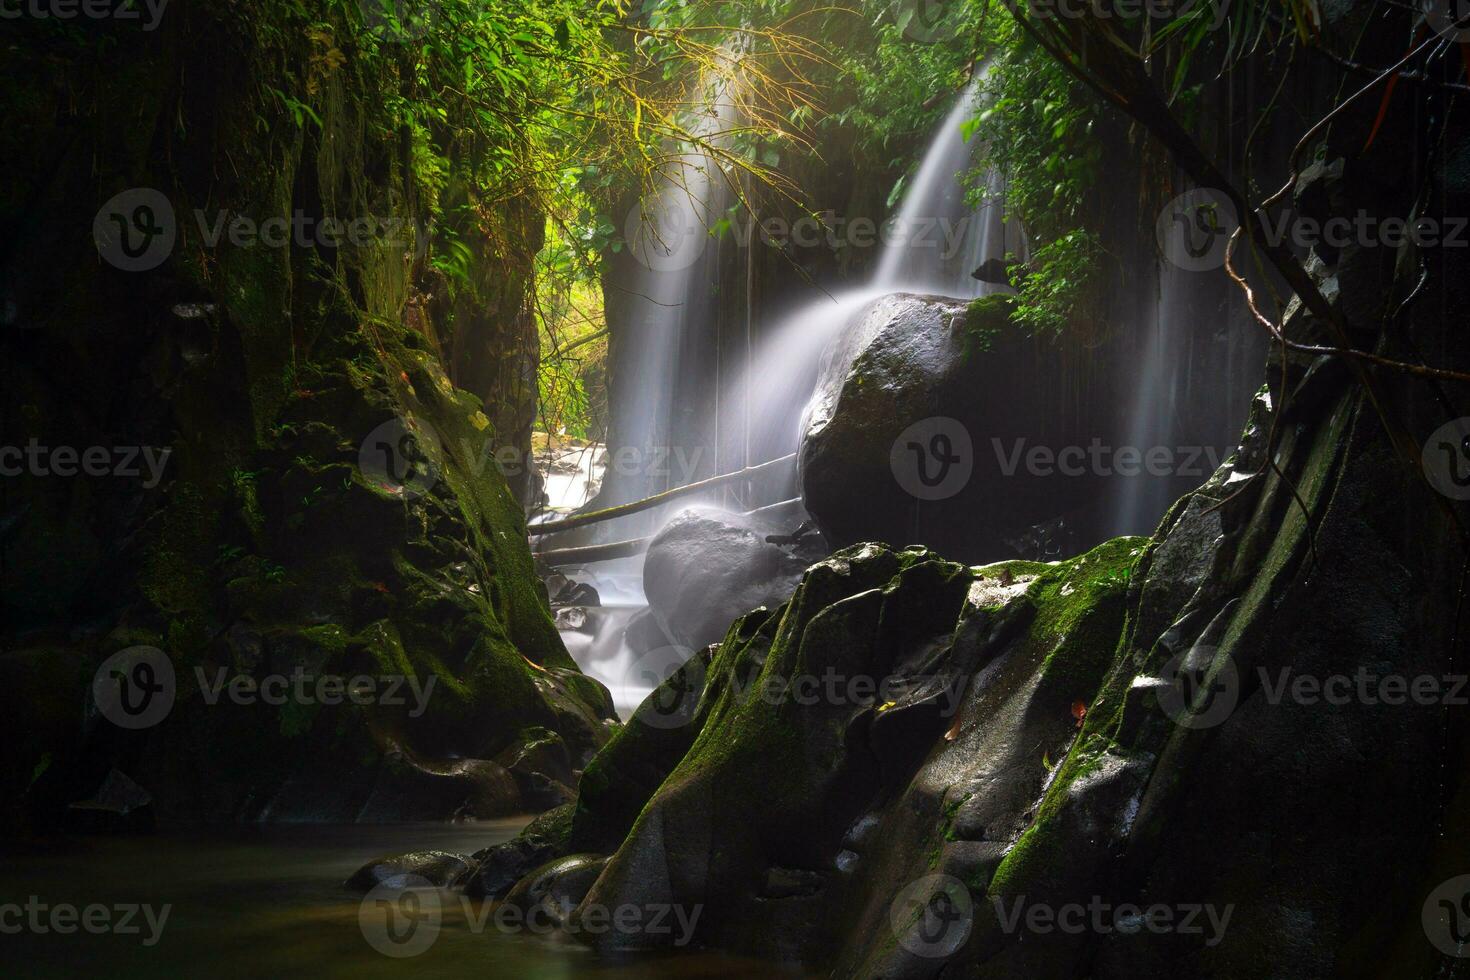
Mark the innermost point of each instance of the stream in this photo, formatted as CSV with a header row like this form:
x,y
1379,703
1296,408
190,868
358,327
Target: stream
x,y
269,901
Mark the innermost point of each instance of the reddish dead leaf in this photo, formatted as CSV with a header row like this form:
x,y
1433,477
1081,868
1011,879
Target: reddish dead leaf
x,y
381,587
1079,711
1388,98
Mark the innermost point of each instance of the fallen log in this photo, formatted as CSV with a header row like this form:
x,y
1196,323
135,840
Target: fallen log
x,y
622,510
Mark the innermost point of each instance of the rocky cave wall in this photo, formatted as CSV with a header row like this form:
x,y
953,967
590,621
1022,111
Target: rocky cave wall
x,y
271,543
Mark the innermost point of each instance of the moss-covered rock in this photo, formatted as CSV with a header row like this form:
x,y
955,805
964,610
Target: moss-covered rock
x,y
863,702
265,544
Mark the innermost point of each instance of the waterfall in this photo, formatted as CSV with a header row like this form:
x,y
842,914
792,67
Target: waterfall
x,y
1151,416
932,245
667,296
669,293
937,240
1187,388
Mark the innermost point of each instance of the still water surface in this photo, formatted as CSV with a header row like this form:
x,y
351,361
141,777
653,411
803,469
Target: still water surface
x,y
268,902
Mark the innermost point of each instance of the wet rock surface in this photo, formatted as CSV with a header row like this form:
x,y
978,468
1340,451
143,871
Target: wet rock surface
x,y
1040,741
921,425
707,566
497,869
831,703
438,868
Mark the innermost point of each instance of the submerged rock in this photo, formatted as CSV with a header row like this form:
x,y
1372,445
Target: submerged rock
x,y
555,888
496,869
438,868
119,806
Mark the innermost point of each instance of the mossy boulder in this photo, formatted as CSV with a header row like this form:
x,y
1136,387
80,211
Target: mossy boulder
x,y
815,719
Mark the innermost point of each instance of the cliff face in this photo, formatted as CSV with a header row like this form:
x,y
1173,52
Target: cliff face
x,y
219,295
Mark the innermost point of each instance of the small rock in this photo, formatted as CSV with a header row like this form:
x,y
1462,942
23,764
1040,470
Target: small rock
x,y
438,868
120,806
791,883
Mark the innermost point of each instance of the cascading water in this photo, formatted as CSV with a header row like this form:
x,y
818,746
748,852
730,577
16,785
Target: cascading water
x,y
934,245
667,294
1188,381
937,240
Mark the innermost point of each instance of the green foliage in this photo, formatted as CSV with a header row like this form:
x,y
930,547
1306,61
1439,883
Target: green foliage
x,y
898,77
1059,283
1037,130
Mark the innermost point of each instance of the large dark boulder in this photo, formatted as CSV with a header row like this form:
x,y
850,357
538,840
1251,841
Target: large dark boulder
x,y
938,422
708,566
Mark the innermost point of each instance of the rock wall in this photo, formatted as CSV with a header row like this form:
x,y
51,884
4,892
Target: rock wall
x,y
329,501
